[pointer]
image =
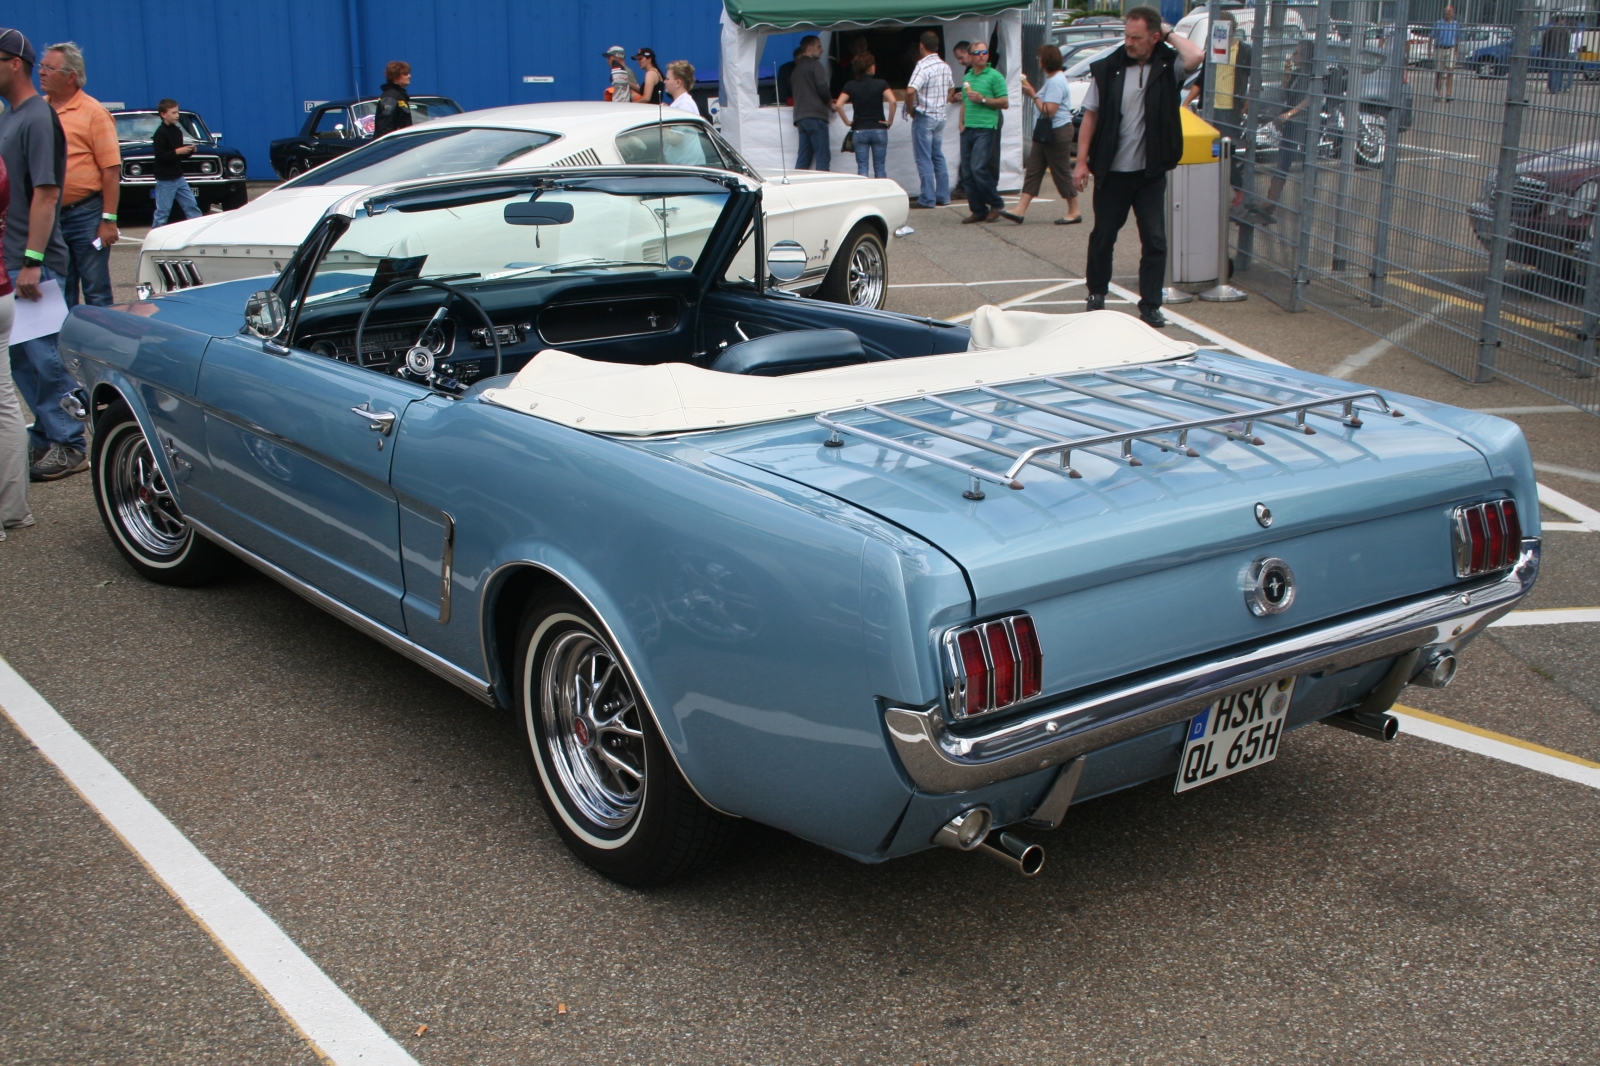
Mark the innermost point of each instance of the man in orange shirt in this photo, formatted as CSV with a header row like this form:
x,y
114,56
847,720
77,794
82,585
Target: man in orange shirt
x,y
94,171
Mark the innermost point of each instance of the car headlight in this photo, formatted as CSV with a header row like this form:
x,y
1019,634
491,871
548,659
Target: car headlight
x,y
136,169
236,167
207,168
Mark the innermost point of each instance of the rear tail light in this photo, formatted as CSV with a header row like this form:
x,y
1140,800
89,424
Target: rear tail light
x,y
993,666
1488,537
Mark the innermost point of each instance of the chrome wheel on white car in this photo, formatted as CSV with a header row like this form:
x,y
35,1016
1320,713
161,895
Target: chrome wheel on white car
x,y
859,275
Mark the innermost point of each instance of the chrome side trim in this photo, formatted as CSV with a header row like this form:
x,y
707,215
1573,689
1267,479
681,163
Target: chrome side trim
x,y
940,761
376,630
447,559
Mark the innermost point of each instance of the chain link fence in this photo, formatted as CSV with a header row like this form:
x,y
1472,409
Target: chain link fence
x,y
1443,198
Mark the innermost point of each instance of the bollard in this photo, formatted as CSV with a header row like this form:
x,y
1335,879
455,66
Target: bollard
x,y
1222,292
1169,293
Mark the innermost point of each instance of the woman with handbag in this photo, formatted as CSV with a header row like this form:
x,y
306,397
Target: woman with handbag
x,y
1053,139
872,106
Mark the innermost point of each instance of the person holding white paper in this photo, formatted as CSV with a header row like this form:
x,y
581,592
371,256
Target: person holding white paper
x,y
14,511
34,149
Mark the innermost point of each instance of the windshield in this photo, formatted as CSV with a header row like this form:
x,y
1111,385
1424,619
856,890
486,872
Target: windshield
x,y
142,126
617,225
433,153
423,109
1080,69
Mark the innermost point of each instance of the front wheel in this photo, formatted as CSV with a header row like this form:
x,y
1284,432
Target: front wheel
x,y
294,169
1372,140
607,780
140,511
860,272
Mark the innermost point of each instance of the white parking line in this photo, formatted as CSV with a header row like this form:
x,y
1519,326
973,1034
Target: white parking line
x,y
1455,734
329,1020
1568,471
1347,366
1025,298
1437,151
971,284
1550,616
1588,519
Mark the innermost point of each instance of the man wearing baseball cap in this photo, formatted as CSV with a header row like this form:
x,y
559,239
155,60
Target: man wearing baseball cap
x,y
622,80
34,149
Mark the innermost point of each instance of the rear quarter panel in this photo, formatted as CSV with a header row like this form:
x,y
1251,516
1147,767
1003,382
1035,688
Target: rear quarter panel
x,y
760,622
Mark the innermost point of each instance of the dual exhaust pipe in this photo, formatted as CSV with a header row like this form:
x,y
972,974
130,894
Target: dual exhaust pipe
x,y
1371,718
973,830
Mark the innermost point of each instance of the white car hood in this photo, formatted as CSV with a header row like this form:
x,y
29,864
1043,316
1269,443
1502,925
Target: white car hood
x,y
281,218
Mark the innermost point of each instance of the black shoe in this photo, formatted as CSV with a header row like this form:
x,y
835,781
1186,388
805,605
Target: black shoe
x,y
1152,316
1069,221
1095,301
958,193
1012,216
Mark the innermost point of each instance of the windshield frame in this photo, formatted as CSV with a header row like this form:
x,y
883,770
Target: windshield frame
x,y
199,122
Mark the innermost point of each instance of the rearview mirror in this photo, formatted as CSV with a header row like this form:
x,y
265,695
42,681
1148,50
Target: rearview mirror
x,y
264,315
538,213
786,260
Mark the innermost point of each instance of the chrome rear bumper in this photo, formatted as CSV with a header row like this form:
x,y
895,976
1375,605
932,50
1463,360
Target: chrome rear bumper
x,y
940,761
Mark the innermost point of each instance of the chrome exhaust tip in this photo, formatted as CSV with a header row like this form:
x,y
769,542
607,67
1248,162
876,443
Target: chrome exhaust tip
x,y
1012,851
1377,726
1440,671
966,830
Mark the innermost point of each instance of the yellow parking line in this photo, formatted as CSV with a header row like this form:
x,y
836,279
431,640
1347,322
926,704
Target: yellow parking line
x,y
1563,330
1487,734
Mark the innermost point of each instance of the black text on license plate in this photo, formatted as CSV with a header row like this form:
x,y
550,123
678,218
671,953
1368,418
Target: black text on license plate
x,y
1240,730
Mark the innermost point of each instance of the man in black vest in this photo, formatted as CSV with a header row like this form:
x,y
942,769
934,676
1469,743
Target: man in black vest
x,y
1130,137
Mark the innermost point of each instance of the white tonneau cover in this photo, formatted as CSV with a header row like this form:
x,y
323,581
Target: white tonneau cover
x,y
669,398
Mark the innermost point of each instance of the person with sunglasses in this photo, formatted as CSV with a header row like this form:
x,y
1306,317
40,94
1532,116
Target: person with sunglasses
x,y
983,97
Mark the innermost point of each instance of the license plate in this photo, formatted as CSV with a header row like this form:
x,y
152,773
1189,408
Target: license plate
x,y
1240,730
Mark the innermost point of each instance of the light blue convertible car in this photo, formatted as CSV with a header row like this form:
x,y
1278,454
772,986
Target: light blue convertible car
x,y
880,581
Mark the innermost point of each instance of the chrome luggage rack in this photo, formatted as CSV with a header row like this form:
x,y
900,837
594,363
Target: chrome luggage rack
x,y
1158,405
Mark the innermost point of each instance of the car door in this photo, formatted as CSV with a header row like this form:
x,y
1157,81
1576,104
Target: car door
x,y
301,446
331,135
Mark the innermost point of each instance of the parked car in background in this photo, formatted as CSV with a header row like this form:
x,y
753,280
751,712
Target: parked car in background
x,y
882,582
1553,209
339,126
1084,30
1492,58
845,222
215,171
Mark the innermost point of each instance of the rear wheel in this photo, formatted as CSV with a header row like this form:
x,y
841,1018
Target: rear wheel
x,y
294,169
607,780
140,511
860,272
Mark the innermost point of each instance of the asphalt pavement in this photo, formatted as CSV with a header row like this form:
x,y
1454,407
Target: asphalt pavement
x,y
1351,901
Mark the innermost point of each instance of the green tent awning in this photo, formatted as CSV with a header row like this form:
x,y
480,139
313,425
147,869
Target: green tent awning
x,y
796,14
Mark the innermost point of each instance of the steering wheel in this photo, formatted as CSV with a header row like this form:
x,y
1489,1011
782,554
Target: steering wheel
x,y
422,365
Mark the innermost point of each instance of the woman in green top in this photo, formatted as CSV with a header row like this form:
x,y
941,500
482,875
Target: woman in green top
x,y
983,98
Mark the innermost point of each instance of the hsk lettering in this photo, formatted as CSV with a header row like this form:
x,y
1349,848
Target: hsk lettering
x,y
1235,712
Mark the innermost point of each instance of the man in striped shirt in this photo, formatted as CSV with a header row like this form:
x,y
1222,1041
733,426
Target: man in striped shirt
x,y
926,94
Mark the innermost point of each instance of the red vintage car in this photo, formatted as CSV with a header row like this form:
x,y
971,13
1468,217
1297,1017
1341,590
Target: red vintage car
x,y
1552,211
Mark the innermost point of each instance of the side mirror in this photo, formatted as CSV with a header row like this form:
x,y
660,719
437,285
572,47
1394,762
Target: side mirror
x,y
216,138
786,260
264,315
538,213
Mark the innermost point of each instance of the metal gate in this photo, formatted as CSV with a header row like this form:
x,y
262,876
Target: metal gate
x,y
1445,200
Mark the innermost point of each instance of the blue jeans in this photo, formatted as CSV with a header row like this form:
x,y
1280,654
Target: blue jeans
x,y
1558,71
166,191
983,193
87,268
41,381
876,144
813,144
927,144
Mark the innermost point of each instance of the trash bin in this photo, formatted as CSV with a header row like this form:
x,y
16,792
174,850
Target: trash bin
x,y
1192,244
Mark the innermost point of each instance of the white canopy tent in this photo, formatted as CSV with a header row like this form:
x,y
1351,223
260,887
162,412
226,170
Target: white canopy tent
x,y
766,136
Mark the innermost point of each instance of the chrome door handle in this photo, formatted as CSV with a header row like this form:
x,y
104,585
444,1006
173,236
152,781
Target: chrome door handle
x,y
377,421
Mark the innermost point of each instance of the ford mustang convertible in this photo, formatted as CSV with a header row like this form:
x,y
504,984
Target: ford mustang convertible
x,y
726,552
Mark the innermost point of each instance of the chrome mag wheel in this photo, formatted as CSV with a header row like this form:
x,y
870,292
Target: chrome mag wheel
x,y
593,729
867,274
139,497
